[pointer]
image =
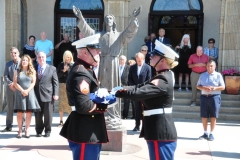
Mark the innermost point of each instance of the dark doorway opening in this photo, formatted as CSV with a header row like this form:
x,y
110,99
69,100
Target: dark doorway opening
x,y
178,18
66,21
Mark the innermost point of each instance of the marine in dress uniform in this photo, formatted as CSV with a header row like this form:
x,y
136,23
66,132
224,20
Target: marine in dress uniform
x,y
85,127
157,96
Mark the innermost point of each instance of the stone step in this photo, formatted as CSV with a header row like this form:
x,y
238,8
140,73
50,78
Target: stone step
x,y
224,103
195,116
227,110
185,94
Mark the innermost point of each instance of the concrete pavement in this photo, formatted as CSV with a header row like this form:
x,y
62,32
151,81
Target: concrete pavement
x,y
224,147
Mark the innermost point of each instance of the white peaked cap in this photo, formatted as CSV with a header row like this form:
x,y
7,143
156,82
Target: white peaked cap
x,y
165,51
88,42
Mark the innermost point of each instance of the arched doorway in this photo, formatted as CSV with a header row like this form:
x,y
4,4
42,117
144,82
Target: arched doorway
x,y
177,18
66,21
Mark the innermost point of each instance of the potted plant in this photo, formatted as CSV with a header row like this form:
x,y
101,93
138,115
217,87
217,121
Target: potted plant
x,y
232,80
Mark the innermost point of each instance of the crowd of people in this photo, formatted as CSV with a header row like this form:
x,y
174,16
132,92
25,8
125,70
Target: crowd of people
x,y
201,65
33,85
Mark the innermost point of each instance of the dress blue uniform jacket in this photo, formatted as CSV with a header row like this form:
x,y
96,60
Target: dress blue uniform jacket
x,y
82,126
158,127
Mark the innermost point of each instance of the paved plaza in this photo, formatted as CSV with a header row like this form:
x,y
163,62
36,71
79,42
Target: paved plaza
x,y
224,147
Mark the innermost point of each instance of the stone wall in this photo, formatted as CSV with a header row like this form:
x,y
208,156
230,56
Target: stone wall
x,y
229,46
41,18
13,25
211,10
3,37
3,48
138,40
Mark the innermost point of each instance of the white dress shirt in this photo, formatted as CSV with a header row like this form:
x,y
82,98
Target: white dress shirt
x,y
95,69
121,70
139,69
161,39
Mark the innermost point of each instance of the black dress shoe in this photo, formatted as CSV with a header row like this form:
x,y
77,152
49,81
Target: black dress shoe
x,y
136,129
47,135
39,135
7,129
19,136
27,136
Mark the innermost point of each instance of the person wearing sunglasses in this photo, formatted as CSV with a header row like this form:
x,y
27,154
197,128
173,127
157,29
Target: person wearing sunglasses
x,y
211,51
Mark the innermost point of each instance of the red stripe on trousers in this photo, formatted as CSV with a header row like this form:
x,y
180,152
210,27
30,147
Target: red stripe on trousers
x,y
156,150
82,150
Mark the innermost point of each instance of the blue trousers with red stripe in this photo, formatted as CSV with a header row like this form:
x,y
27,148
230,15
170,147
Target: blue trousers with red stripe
x,y
159,150
85,151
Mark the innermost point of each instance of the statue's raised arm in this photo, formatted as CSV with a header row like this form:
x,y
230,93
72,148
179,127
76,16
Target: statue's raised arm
x,y
128,34
77,12
136,12
82,24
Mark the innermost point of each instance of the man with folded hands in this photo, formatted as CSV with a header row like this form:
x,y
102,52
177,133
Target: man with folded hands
x,y
85,127
211,84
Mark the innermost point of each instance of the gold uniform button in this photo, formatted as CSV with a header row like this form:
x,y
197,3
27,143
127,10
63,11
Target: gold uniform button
x,y
92,116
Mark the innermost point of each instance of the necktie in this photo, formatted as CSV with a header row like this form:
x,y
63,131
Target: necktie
x,y
161,39
40,73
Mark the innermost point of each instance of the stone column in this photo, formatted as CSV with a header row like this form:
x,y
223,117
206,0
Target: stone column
x,y
118,8
13,25
229,38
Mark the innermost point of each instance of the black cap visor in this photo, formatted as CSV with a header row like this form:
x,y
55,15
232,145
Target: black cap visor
x,y
156,52
93,46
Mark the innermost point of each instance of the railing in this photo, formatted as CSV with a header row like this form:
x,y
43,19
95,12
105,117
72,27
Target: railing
x,y
2,92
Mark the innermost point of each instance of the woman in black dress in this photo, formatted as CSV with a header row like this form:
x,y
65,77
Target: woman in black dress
x,y
28,49
62,72
184,51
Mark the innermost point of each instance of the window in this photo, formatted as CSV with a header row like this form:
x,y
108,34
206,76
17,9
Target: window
x,y
93,23
68,25
175,5
82,4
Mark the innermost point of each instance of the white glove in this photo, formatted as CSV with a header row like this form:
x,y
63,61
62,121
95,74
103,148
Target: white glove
x,y
102,92
115,89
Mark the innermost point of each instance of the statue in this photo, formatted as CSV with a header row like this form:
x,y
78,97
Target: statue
x,y
111,43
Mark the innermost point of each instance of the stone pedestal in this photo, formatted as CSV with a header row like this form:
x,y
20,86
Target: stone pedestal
x,y
116,140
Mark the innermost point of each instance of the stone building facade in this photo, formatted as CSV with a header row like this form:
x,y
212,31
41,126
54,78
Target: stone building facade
x,y
23,18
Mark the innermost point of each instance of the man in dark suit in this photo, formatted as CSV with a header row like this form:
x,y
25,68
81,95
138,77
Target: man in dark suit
x,y
123,73
151,42
138,73
161,38
46,89
144,50
10,67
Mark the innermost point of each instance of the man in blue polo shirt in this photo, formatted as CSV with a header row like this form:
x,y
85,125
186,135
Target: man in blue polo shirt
x,y
211,84
46,46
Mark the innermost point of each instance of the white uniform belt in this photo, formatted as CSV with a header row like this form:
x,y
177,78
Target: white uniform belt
x,y
73,108
157,111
